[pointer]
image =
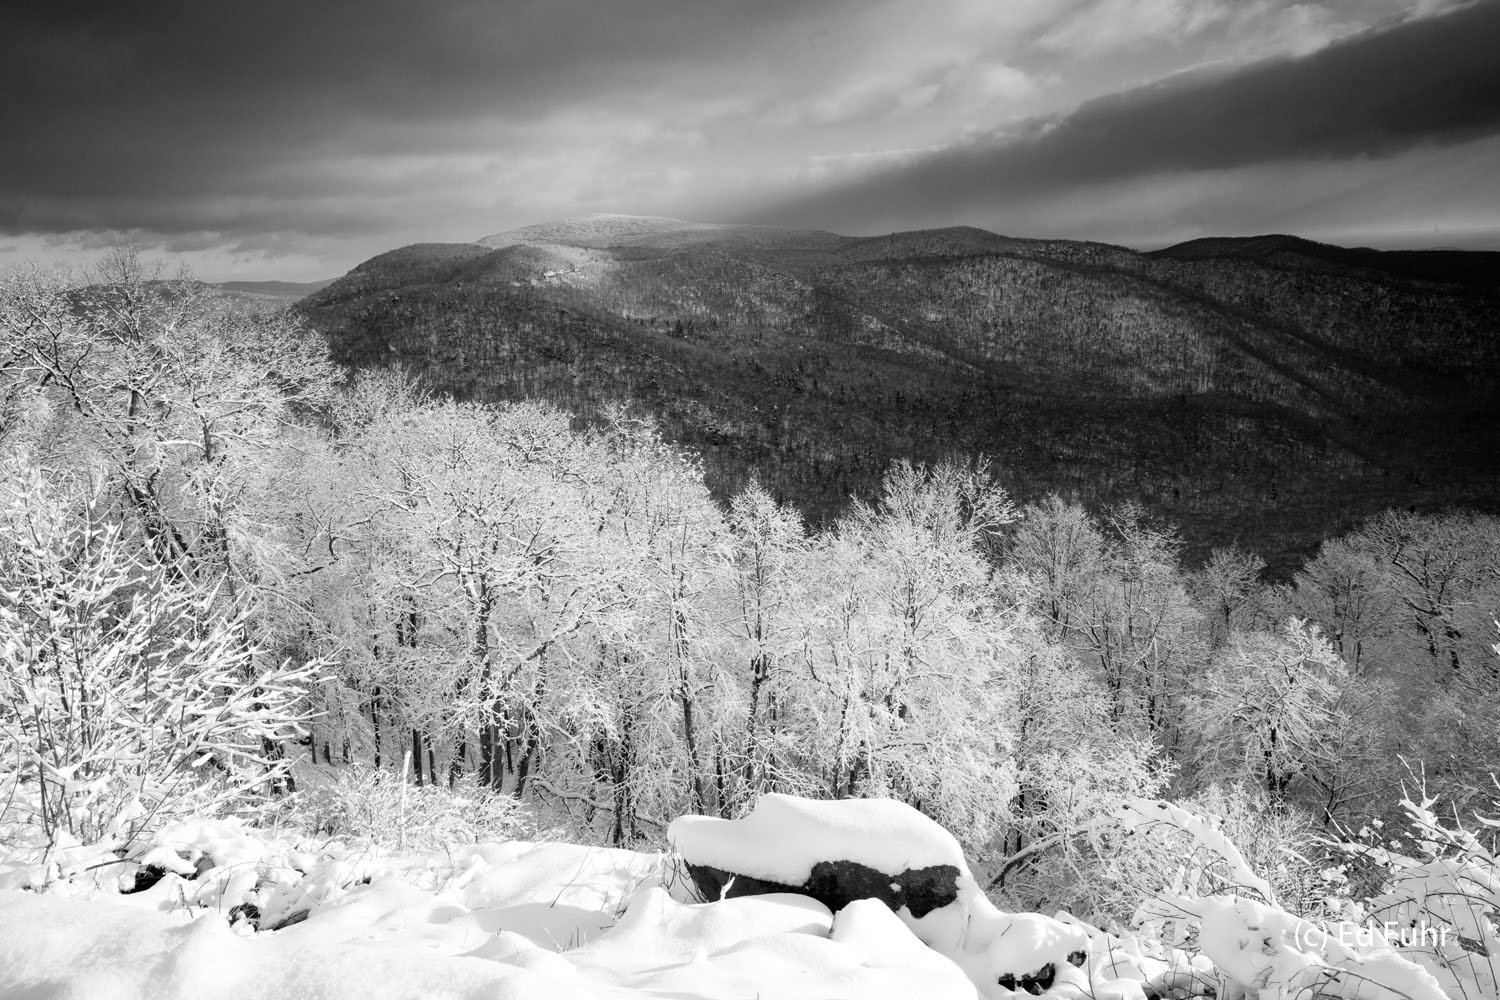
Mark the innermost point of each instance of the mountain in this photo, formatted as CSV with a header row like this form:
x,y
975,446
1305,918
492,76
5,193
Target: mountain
x,y
1463,267
1267,391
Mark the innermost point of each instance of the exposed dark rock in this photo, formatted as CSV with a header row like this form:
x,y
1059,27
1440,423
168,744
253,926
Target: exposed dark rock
x,y
1040,981
248,912
1078,958
920,890
836,884
1035,983
145,877
716,883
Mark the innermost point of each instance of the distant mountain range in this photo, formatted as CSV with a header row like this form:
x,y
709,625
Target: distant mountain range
x,y
289,291
1269,391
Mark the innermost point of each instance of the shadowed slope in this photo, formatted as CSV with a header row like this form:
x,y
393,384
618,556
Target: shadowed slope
x,y
1248,390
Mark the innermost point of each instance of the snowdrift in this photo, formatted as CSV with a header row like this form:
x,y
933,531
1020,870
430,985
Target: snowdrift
x,y
210,909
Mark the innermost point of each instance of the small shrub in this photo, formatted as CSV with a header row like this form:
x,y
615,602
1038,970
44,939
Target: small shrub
x,y
1436,885
382,808
126,695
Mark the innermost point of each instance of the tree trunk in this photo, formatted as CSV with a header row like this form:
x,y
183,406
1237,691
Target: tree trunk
x,y
375,700
489,762
457,764
678,636
760,670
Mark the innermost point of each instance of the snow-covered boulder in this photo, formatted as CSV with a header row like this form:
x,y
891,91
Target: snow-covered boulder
x,y
834,851
846,850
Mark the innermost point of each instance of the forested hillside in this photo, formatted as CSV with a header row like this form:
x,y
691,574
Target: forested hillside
x,y
237,581
1269,392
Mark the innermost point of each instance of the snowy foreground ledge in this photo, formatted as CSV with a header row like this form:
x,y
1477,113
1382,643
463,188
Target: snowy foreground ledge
x,y
545,921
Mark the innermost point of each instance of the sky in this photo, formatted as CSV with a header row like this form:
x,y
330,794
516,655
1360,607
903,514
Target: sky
x,y
291,140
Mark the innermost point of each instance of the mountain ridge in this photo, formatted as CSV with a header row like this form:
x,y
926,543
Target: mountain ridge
x,y
1257,389
1479,268
606,231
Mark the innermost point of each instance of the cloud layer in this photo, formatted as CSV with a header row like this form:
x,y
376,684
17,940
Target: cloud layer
x,y
286,139
1432,83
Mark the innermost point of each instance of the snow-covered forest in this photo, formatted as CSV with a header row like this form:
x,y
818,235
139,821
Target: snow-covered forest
x,y
261,616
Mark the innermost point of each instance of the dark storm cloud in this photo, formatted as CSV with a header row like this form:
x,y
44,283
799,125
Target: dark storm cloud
x,y
118,113
1424,82
343,129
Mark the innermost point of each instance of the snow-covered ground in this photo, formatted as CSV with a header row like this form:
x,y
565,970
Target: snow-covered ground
x,y
242,913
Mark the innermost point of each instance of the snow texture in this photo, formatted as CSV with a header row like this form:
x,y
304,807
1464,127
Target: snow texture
x,y
1260,946
240,914
514,920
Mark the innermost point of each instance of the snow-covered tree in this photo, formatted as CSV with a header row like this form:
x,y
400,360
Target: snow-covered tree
x,y
1059,550
1269,710
767,564
1345,590
1114,593
1228,590
668,549
907,645
1072,768
1443,572
499,561
126,694
174,391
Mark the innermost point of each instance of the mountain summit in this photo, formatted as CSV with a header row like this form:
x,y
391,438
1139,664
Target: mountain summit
x,y
610,231
600,230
